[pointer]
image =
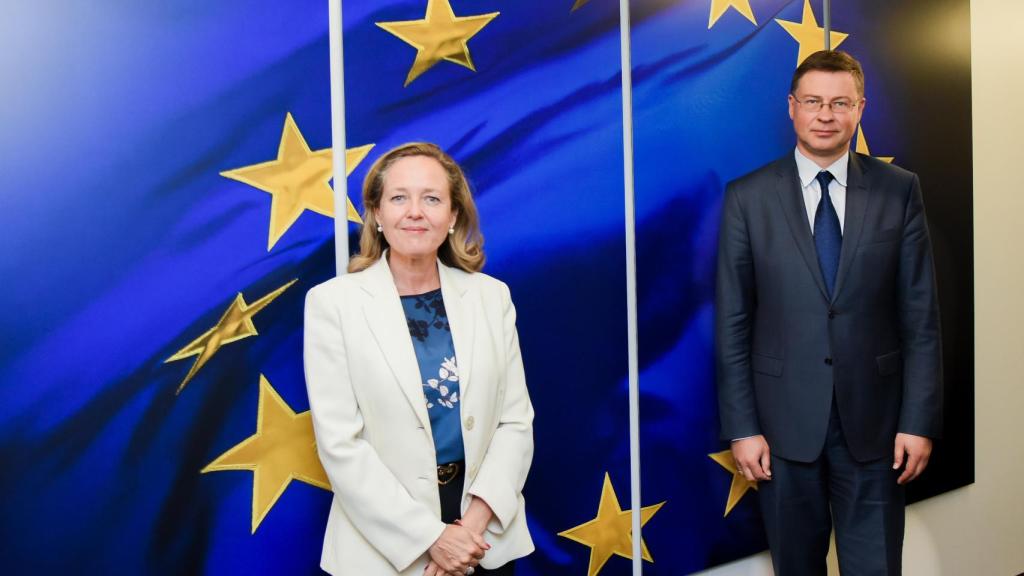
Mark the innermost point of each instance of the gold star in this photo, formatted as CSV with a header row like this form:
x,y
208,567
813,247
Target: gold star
x,y
440,35
862,146
718,7
298,180
740,484
611,531
807,33
579,4
235,324
282,449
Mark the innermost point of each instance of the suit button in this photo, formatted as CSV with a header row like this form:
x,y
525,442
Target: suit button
x,y
828,361
831,314
469,423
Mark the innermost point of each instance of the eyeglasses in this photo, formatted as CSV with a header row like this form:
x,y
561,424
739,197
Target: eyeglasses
x,y
813,104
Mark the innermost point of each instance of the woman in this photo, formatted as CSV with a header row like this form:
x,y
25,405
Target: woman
x,y
422,418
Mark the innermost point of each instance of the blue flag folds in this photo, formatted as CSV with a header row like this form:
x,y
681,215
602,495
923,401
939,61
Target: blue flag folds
x,y
168,202
130,262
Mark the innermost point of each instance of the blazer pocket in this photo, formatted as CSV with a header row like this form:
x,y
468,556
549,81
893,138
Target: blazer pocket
x,y
765,364
877,237
889,364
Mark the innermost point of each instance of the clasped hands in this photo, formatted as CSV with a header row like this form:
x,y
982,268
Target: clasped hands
x,y
456,551
461,546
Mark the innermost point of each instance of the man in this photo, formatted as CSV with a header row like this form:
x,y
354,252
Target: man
x,y
827,334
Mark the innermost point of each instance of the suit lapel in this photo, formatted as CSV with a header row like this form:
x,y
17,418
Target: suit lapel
x,y
387,322
856,206
789,189
457,292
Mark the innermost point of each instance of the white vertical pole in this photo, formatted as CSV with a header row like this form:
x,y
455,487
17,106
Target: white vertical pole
x,y
631,314
337,64
826,17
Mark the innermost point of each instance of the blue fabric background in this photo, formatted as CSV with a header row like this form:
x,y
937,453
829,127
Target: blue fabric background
x,y
122,243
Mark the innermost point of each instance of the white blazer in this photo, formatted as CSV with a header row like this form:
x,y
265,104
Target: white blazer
x,y
372,428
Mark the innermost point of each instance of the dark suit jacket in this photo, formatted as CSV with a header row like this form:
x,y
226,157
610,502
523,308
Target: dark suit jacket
x,y
782,346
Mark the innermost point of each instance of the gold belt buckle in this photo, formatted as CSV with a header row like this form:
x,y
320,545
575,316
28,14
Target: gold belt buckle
x,y
447,472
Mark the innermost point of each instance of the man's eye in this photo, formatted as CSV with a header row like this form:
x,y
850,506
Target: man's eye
x,y
841,105
812,102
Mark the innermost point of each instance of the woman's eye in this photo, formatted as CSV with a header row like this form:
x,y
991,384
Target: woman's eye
x,y
433,200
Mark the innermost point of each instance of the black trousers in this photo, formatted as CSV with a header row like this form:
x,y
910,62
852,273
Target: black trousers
x,y
802,502
451,510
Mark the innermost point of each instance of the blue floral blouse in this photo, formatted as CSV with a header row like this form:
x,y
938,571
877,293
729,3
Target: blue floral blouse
x,y
435,353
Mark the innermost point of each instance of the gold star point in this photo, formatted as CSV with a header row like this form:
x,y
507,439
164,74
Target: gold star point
x,y
809,35
740,485
862,147
299,179
610,532
282,449
235,324
440,35
719,7
578,4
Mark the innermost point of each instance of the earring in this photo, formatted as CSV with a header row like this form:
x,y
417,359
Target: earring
x,y
451,230
380,228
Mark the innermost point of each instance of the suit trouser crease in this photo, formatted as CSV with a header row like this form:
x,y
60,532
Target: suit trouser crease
x,y
801,501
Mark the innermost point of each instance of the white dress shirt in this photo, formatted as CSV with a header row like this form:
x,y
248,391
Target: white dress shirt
x,y
808,171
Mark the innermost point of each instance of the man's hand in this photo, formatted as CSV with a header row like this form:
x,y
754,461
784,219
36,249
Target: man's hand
x,y
753,459
456,550
917,449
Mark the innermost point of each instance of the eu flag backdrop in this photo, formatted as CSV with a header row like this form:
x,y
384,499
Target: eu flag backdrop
x,y
167,204
126,246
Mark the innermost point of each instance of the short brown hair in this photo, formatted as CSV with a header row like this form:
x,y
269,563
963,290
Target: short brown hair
x,y
830,61
464,249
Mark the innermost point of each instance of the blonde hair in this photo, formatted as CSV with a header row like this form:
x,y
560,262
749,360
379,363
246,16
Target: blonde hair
x,y
464,249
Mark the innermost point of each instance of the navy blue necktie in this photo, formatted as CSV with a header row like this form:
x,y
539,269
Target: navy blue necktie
x,y
828,236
